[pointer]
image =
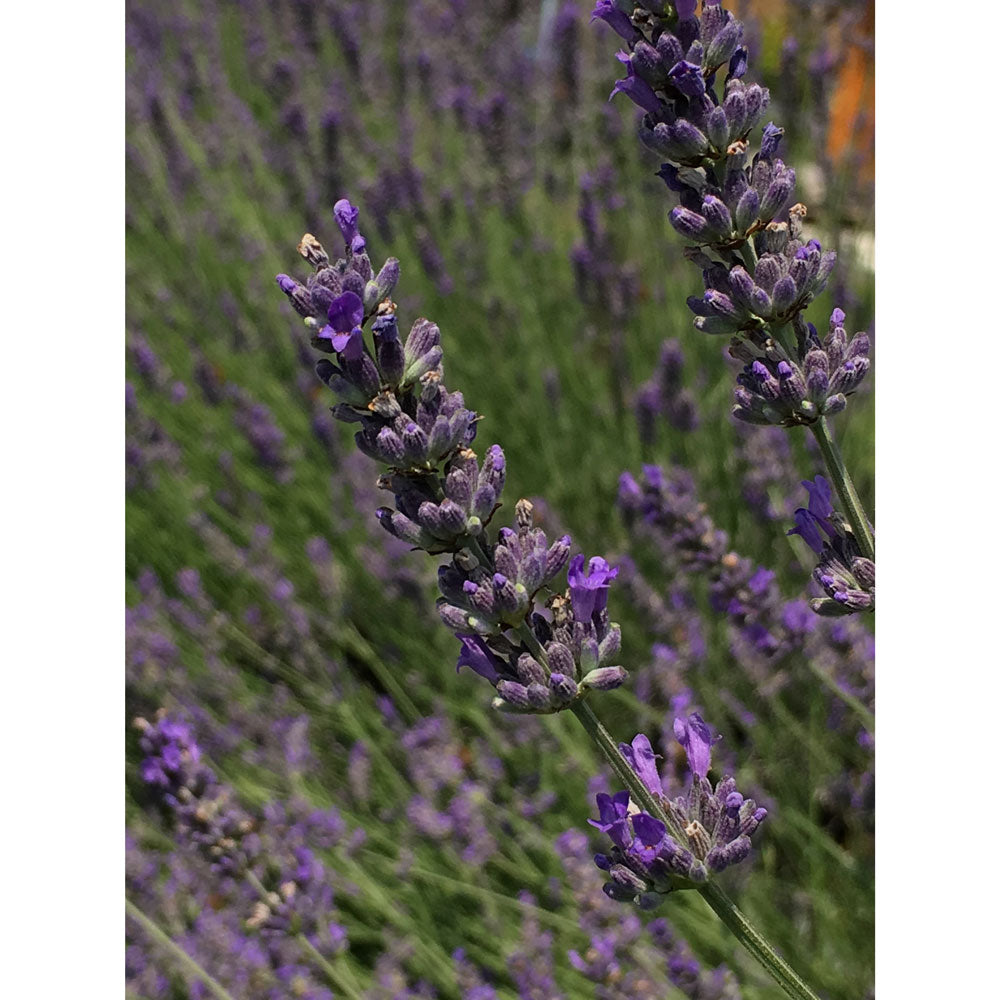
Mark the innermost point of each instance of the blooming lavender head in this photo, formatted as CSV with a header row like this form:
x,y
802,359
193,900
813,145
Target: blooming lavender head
x,y
843,572
701,833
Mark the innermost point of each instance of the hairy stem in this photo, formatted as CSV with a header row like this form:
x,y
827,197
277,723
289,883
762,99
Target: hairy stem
x,y
748,935
845,488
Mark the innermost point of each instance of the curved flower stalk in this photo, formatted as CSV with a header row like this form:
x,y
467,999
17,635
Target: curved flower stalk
x,y
702,832
685,72
542,650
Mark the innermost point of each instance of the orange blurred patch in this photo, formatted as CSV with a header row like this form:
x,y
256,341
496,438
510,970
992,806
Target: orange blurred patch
x,y
852,109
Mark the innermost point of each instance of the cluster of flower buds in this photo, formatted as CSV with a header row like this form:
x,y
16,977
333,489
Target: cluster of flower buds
x,y
776,388
538,661
671,72
334,292
203,810
787,277
759,271
702,833
409,421
725,206
567,653
843,572
486,595
427,521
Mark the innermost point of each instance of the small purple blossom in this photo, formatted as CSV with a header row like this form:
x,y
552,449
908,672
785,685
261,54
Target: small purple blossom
x,y
345,314
476,655
700,833
693,734
589,590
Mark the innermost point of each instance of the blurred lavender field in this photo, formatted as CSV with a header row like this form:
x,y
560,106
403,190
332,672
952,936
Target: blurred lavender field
x,y
283,651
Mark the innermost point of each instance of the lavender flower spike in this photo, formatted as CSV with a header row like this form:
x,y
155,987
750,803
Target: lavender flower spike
x,y
445,498
707,830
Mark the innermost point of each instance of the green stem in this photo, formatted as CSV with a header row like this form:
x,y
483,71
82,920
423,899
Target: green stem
x,y
349,989
733,918
748,935
607,745
860,709
191,967
844,486
749,254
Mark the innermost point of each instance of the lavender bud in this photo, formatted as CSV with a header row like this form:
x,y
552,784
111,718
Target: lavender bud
x,y
834,404
793,387
605,678
514,694
722,305
724,44
529,670
688,141
717,128
747,209
778,192
560,659
741,286
648,64
735,106
556,556
297,294
689,224
717,216
381,287
390,446
817,374
563,688
424,336
610,645
784,295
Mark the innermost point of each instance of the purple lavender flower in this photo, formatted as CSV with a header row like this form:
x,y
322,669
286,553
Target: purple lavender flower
x,y
445,498
589,589
775,389
702,833
761,274
843,572
694,736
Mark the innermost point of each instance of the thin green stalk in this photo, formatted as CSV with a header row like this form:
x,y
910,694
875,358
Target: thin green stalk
x,y
844,486
191,967
337,977
779,970
855,704
748,935
607,745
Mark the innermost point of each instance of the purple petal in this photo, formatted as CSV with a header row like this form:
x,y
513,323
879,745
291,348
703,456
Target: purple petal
x,y
345,313
642,760
693,734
